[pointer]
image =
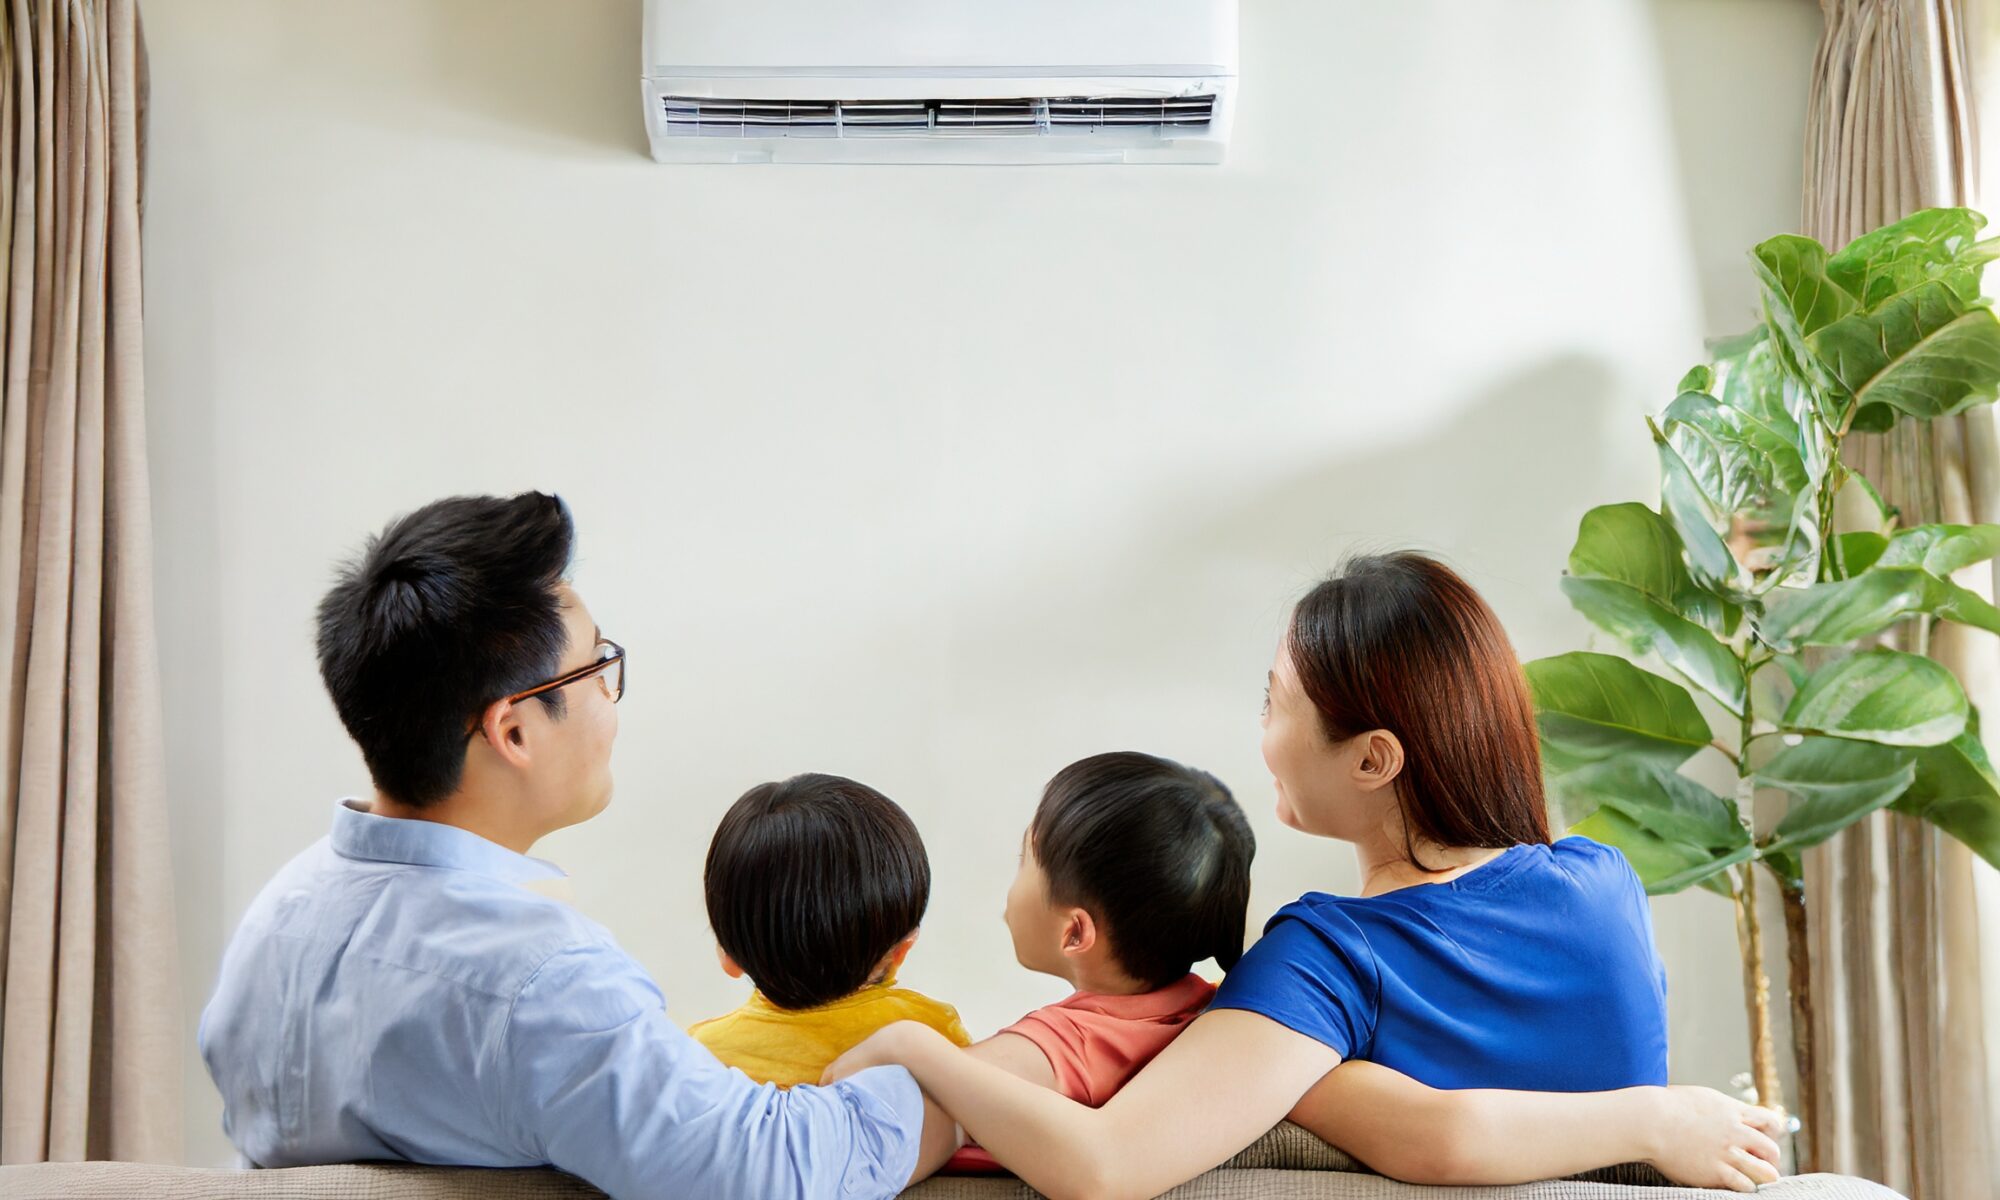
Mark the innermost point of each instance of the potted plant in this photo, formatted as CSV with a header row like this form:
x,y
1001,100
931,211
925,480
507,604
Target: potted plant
x,y
1804,638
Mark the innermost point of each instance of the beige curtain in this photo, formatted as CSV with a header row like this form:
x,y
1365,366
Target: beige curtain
x,y
89,1022
1902,919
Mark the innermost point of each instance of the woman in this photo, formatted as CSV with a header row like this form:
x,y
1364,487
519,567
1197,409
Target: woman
x,y
1479,955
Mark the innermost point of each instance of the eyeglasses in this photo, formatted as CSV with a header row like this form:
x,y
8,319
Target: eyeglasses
x,y
608,667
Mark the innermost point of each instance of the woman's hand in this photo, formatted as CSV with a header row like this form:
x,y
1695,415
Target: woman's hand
x,y
1707,1139
891,1044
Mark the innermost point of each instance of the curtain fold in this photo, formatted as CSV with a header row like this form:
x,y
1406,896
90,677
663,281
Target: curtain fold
x,y
1902,919
89,1001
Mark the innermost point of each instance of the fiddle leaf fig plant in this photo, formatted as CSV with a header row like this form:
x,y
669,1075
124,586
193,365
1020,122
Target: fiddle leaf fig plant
x,y
1788,648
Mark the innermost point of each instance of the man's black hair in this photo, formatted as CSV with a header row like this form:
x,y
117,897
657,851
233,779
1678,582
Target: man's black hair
x,y
1158,854
811,882
445,611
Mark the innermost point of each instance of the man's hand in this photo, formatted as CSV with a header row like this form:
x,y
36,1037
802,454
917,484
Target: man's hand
x,y
1706,1139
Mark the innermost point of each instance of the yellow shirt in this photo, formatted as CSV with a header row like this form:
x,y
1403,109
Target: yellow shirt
x,y
786,1046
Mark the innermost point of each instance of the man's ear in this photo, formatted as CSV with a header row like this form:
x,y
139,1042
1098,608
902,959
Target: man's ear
x,y
1079,932
504,733
729,966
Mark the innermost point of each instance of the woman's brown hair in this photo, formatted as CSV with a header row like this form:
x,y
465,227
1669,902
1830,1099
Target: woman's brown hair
x,y
1400,642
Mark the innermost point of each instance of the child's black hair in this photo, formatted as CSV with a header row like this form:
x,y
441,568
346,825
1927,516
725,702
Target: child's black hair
x,y
1157,852
811,882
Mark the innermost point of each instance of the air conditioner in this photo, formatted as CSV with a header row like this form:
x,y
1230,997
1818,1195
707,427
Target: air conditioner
x,y
940,81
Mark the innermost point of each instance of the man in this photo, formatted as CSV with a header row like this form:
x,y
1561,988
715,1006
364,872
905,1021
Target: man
x,y
402,990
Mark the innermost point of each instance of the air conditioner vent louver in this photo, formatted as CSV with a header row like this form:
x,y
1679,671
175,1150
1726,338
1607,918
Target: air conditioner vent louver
x,y
703,116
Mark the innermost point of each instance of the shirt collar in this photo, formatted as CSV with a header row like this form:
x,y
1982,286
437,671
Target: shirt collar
x,y
358,833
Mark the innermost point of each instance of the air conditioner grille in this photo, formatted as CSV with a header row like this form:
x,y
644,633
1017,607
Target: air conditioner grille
x,y
705,116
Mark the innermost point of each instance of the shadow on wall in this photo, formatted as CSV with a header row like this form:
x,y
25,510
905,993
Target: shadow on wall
x,y
1484,490
1717,69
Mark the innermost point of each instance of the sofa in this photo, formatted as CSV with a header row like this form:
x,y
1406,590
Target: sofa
x,y
1286,1164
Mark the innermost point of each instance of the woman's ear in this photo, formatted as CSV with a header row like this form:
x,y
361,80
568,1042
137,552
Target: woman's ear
x,y
1079,932
729,966
1381,759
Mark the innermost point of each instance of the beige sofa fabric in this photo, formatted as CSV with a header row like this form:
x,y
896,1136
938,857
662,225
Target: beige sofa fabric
x,y
1286,1164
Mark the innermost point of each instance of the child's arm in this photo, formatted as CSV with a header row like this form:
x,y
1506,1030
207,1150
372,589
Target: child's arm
x,y
1016,1055
1692,1135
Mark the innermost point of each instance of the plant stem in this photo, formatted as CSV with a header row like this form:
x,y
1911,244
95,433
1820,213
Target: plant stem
x,y
1757,992
1799,960
1749,931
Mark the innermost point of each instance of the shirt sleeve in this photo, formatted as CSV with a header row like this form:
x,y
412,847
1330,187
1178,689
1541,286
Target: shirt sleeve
x,y
597,1081
947,1023
1313,973
1060,1039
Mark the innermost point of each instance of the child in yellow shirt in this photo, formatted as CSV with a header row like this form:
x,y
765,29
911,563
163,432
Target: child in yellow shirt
x,y
815,887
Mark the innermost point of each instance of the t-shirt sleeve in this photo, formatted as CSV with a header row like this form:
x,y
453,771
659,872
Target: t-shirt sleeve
x,y
945,1021
1060,1039
1313,973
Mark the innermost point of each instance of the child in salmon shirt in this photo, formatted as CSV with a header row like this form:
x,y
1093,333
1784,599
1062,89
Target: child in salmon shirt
x,y
815,888
1133,870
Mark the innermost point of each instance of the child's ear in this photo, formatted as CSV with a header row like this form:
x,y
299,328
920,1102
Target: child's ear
x,y
729,966
893,961
1079,932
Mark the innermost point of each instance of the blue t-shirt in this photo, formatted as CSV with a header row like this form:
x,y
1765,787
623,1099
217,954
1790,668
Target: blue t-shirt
x,y
1535,971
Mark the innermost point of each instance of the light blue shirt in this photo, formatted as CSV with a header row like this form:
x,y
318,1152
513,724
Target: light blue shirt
x,y
398,992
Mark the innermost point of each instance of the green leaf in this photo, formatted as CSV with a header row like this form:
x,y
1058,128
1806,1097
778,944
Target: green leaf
x,y
1698,379
1936,243
1882,696
1922,352
1664,866
1942,549
1837,782
1633,545
1739,461
1644,625
1834,614
1856,552
1593,707
1793,270
1957,791
1666,802
1791,872
1873,418
1696,521
1752,381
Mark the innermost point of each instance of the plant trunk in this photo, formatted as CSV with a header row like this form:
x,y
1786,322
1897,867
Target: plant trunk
x,y
1798,957
1757,993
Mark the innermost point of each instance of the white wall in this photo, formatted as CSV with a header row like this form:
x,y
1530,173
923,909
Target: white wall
x,y
937,477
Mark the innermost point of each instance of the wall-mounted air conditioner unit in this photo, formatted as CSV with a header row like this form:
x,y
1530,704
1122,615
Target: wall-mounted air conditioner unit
x,y
940,81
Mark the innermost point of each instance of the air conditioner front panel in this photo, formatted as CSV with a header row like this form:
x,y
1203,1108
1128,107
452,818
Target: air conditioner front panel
x,y
941,81
699,37
1066,120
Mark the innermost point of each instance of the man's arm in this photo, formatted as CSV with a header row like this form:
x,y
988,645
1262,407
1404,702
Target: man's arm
x,y
593,1078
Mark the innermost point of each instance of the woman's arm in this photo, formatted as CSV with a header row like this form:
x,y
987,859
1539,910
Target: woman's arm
x,y
1016,1055
1421,1134
1187,1111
